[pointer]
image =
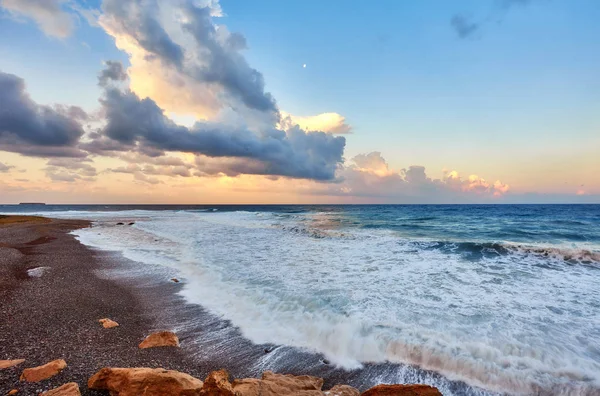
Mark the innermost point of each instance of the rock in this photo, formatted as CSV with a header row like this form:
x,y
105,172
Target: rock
x,y
69,389
278,384
144,381
37,272
13,392
108,323
342,390
4,364
217,384
402,390
132,223
120,223
160,339
175,280
36,374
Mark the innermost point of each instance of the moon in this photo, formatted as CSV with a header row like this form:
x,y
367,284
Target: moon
x,y
304,65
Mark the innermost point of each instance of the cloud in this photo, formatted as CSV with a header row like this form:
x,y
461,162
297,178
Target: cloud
x,y
326,122
466,28
189,50
32,129
113,71
5,168
369,176
70,170
48,14
141,125
463,26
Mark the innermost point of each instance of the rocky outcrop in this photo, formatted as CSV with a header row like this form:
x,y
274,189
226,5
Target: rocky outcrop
x,y
160,339
4,364
36,374
272,384
402,390
108,323
144,381
69,389
217,384
342,390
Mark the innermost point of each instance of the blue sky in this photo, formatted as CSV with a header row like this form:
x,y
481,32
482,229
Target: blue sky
x,y
517,100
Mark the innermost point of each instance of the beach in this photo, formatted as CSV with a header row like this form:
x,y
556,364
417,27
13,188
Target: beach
x,y
52,297
54,315
240,302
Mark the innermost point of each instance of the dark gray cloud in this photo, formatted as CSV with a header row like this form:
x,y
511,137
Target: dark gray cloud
x,y
212,55
139,124
113,71
32,129
223,62
137,19
466,28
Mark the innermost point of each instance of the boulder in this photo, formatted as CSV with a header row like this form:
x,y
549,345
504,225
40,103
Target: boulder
x,y
273,384
402,390
36,374
217,384
160,339
108,323
342,390
144,381
69,389
10,363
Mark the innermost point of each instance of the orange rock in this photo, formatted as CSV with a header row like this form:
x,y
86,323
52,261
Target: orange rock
x,y
13,392
108,323
278,384
217,384
144,381
342,390
402,390
69,389
160,339
36,374
9,363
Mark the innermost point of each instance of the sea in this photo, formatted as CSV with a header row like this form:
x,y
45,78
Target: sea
x,y
504,299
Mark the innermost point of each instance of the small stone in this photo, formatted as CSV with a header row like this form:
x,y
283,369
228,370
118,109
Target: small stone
x,y
108,323
160,339
69,389
13,392
10,363
175,280
36,374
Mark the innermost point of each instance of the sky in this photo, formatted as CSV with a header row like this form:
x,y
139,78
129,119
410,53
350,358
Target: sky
x,y
207,101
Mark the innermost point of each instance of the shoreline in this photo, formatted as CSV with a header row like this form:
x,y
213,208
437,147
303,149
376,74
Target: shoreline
x,y
56,316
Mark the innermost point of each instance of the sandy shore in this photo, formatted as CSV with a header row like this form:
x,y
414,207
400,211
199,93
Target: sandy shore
x,y
55,315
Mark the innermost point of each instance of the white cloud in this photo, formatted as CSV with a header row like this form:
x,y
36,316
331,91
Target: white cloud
x,y
50,15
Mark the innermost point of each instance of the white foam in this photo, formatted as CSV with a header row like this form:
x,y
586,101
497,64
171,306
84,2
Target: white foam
x,y
503,323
